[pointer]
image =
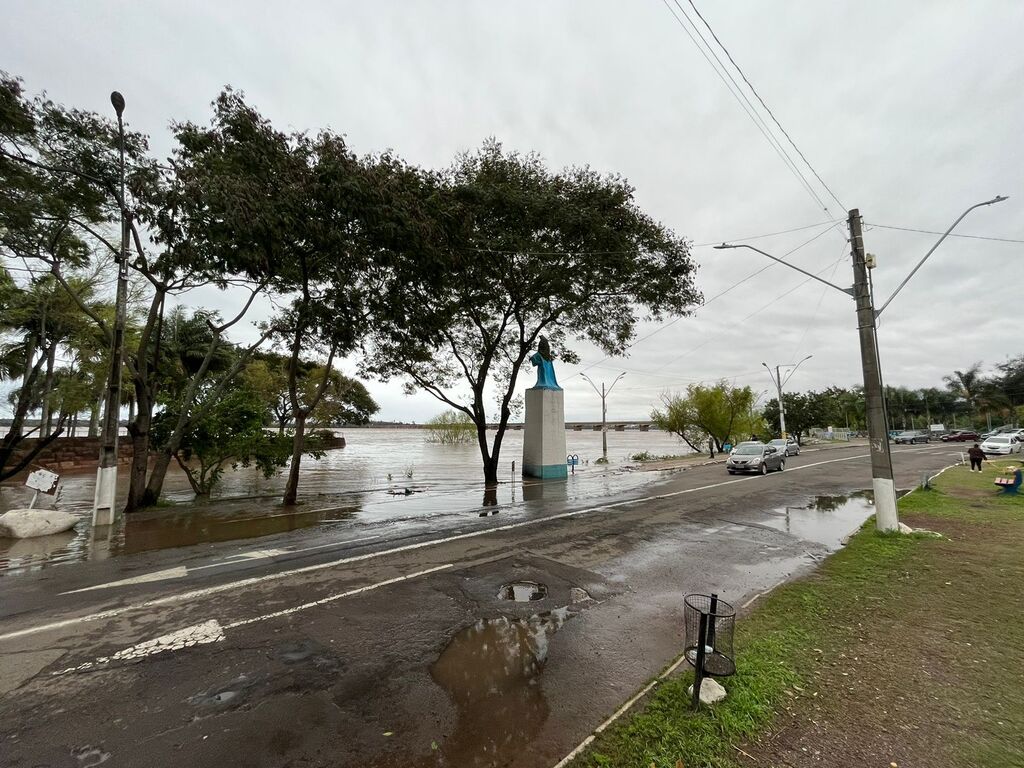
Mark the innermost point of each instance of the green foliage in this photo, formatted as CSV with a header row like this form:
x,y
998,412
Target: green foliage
x,y
717,414
231,432
522,251
450,428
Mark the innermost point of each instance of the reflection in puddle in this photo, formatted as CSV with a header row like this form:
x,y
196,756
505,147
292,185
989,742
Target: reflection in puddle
x,y
157,530
491,671
827,519
523,591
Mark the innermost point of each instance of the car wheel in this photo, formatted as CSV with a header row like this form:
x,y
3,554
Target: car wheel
x,y
913,441
764,468
730,472
782,465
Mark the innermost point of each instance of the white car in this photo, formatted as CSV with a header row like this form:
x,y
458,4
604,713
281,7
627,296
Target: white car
x,y
1001,444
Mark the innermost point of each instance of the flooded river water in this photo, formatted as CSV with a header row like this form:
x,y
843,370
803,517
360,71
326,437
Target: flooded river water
x,y
382,475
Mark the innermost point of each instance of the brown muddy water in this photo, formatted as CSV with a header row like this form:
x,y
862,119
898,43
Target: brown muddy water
x,y
381,476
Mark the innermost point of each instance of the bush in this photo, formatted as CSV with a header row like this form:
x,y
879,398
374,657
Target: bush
x,y
450,428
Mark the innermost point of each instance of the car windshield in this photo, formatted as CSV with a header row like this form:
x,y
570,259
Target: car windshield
x,y
777,442
999,439
747,450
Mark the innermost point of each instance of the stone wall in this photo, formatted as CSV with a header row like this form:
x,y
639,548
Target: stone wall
x,y
71,453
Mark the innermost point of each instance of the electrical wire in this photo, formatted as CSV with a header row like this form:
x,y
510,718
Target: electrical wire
x,y
951,234
767,234
739,96
766,107
717,296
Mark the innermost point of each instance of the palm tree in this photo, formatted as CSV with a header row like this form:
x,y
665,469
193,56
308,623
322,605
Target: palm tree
x,y
967,384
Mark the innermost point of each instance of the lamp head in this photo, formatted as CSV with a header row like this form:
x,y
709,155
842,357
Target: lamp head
x,y
117,100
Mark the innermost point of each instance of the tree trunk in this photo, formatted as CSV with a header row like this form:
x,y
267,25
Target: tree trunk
x,y
139,432
94,416
155,486
46,416
291,490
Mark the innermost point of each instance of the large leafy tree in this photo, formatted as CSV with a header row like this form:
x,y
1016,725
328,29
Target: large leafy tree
x,y
309,218
527,251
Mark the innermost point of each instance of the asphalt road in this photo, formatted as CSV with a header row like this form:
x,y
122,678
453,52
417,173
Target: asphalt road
x,y
392,645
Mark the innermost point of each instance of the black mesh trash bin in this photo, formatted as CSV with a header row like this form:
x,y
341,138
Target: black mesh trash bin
x,y
710,623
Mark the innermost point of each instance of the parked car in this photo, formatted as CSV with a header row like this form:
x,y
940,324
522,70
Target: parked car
x,y
912,437
755,457
997,431
789,446
961,436
1001,445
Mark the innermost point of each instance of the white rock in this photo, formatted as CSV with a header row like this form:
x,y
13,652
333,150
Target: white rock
x,y
28,523
904,528
710,691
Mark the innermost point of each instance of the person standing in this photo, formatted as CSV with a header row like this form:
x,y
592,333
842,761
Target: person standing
x,y
976,456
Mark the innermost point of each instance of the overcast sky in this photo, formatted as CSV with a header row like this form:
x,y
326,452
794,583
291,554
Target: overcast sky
x,y
909,111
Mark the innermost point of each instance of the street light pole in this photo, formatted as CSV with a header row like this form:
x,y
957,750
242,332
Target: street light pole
x,y
106,474
779,384
886,516
603,394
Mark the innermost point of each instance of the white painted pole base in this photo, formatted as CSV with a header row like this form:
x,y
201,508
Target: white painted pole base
x,y
886,517
103,501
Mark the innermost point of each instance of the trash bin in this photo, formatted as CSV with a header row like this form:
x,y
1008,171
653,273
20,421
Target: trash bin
x,y
710,624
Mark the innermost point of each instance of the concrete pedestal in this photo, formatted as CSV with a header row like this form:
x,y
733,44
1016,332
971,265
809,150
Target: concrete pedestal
x,y
544,434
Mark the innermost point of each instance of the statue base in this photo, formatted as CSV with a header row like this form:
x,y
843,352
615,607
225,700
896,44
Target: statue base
x,y
544,434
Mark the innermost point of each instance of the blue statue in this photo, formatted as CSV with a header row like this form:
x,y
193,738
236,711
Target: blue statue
x,y
545,368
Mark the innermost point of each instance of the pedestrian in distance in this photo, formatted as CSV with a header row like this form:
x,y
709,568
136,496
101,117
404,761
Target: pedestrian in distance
x,y
976,455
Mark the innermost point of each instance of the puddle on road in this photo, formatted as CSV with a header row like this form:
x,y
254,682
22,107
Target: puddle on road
x,y
491,672
523,591
827,519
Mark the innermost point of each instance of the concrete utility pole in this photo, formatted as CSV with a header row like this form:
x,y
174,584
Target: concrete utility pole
x,y
882,482
604,410
886,518
779,384
106,473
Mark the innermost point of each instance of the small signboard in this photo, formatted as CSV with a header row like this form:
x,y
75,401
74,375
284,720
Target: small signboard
x,y
43,480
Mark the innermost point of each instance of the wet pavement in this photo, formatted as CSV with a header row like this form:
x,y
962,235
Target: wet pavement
x,y
404,651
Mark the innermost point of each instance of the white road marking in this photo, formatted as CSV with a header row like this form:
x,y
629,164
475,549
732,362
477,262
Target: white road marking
x,y
620,712
195,594
198,634
211,631
339,596
169,573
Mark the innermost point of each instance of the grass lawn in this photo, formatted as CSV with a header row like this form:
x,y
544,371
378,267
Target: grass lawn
x,y
905,650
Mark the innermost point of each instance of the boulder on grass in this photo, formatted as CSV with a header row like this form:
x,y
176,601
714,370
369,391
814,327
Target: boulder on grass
x,y
711,692
29,523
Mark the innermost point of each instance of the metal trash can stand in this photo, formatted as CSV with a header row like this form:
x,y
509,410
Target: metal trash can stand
x,y
710,624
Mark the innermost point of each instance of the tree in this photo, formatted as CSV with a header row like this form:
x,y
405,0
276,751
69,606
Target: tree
x,y
450,428
967,385
308,217
230,431
709,415
803,411
521,252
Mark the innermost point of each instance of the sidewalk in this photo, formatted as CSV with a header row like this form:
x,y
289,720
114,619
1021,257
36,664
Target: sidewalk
x,y
899,650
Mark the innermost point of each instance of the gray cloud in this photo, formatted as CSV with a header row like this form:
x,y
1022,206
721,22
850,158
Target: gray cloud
x,y
910,111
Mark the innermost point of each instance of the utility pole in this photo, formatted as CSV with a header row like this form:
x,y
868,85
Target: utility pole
x,y
106,474
604,410
779,383
878,430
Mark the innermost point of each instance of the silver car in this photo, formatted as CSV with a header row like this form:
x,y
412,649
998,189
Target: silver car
x,y
755,457
789,446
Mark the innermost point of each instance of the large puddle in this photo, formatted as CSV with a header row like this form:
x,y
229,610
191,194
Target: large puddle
x,y
826,519
491,672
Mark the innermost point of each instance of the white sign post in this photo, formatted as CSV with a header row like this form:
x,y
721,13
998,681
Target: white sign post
x,y
42,480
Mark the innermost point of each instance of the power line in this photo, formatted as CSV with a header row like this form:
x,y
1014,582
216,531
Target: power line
x,y
951,234
766,107
717,296
767,234
738,95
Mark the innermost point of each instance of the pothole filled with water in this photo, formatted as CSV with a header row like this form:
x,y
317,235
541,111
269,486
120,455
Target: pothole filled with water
x,y
491,671
523,591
